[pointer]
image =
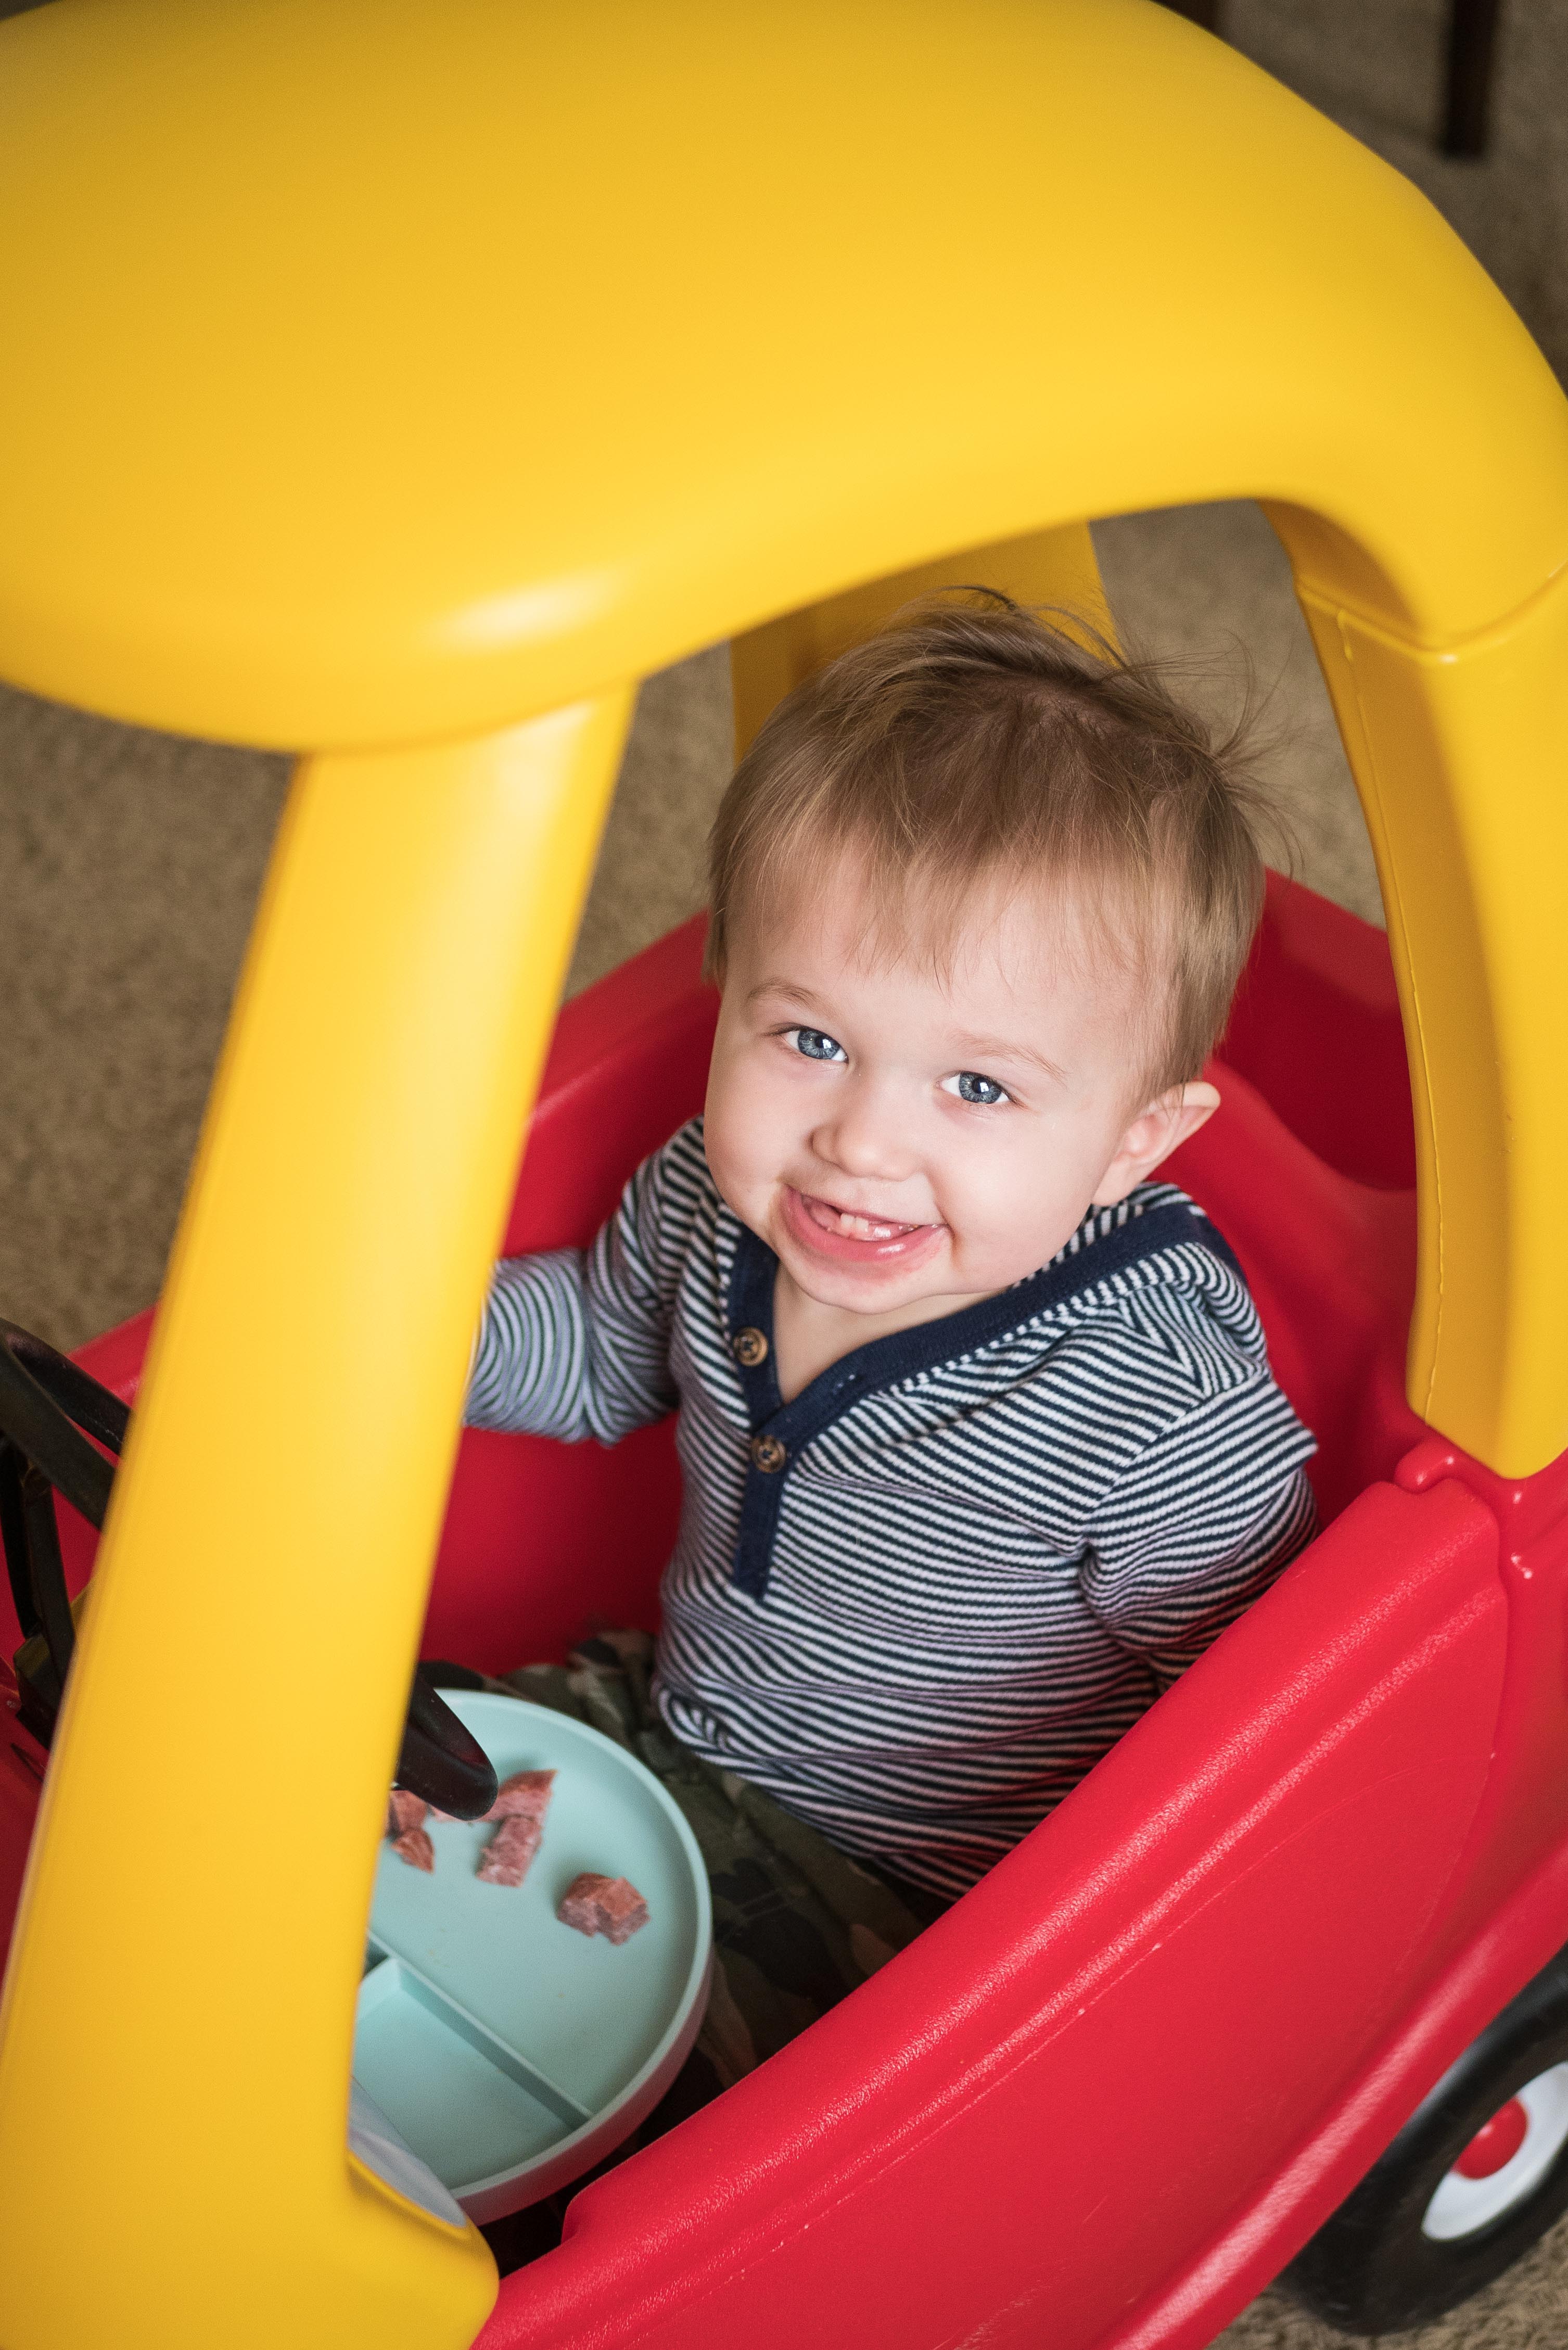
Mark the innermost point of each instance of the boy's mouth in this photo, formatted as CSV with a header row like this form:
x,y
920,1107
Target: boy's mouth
x,y
850,1226
846,1235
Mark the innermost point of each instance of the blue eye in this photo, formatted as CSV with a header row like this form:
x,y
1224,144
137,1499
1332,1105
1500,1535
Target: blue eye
x,y
970,1087
815,1045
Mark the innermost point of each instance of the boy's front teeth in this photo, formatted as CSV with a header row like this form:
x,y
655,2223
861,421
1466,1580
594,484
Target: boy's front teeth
x,y
850,1226
861,1228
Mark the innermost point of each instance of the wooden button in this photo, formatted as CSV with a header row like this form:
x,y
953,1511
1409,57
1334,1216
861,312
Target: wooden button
x,y
751,1348
768,1453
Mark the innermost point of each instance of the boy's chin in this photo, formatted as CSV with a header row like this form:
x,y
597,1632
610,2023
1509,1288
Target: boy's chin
x,y
865,1288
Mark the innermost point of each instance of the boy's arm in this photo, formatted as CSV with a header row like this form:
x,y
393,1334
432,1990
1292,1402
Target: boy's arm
x,y
575,1343
1199,1525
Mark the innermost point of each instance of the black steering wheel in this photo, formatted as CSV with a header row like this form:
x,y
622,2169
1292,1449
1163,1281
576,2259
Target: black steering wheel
x,y
47,1402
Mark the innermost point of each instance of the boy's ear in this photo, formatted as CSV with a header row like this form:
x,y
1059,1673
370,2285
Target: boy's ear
x,y
1153,1135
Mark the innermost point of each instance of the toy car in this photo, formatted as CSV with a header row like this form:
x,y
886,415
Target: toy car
x,y
405,381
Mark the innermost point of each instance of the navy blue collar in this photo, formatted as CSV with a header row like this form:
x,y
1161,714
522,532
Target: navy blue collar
x,y
780,1430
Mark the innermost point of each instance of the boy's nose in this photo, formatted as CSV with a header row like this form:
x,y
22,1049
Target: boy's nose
x,y
865,1139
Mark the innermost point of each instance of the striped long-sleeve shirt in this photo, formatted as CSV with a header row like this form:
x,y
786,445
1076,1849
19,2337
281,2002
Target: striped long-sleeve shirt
x,y
919,1601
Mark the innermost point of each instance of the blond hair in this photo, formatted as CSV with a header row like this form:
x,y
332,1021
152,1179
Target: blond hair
x,y
973,747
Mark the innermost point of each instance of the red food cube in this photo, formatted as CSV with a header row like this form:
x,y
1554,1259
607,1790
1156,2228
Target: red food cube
x,y
526,1795
580,1906
404,1812
603,1905
622,1908
506,1857
414,1846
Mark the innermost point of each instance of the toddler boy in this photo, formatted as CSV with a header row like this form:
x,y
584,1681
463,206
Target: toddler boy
x,y
979,1438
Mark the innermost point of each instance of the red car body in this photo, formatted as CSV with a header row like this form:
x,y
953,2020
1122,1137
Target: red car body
x,y
1109,2095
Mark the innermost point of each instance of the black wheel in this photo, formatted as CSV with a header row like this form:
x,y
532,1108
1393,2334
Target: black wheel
x,y
46,1402
1479,2172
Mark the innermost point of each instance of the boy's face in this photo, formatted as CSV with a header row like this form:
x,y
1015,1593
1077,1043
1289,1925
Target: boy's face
x,y
907,1142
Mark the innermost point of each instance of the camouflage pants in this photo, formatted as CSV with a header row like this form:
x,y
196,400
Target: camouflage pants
x,y
796,1923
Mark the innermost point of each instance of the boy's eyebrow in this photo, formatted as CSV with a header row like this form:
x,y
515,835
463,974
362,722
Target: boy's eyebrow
x,y
788,987
1008,1048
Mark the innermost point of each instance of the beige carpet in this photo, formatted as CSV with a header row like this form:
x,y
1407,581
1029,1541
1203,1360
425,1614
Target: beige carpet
x,y
130,862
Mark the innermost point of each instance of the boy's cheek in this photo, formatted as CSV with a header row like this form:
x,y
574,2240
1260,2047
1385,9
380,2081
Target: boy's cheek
x,y
1018,1213
749,1105
723,1111
741,1138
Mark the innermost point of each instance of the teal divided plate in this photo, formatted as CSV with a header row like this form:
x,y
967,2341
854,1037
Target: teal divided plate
x,y
511,2053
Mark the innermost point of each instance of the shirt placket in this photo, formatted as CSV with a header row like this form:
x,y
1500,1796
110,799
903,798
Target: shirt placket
x,y
779,1434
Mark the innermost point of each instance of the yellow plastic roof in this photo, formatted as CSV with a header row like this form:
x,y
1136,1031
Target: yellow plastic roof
x,y
380,369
